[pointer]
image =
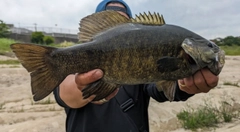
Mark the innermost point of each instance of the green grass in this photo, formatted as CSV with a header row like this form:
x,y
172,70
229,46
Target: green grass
x,y
5,45
231,50
231,84
198,118
208,116
9,62
1,105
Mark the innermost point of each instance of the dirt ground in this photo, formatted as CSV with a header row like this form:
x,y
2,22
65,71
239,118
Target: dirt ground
x,y
19,113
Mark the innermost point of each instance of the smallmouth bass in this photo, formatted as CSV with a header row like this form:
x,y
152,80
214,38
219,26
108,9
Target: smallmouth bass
x,y
133,51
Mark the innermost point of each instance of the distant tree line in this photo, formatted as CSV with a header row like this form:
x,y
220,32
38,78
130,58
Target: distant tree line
x,y
4,30
36,37
40,38
227,41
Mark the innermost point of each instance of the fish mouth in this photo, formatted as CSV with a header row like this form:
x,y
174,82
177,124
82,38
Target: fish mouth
x,y
189,59
191,62
215,66
203,53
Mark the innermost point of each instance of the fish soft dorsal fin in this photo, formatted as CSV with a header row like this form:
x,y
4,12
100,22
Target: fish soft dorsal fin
x,y
99,22
149,19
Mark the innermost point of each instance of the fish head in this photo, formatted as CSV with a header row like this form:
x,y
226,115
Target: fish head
x,y
204,53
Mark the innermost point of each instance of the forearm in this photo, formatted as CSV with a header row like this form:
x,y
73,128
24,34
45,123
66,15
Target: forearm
x,y
152,91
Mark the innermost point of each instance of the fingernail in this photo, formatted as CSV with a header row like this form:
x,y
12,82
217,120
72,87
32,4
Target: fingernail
x,y
98,73
91,98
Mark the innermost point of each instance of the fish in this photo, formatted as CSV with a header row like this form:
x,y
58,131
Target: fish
x,y
140,50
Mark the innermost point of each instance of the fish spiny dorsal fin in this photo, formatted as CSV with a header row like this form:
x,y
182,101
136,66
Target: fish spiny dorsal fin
x,y
99,22
149,19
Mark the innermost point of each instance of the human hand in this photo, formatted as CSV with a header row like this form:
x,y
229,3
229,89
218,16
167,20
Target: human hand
x,y
82,80
201,81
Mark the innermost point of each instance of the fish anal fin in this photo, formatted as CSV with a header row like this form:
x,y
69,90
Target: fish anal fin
x,y
99,88
168,88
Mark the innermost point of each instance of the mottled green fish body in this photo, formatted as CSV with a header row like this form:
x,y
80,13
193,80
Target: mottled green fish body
x,y
128,51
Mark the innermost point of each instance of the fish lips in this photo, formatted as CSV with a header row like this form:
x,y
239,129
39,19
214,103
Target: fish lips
x,y
216,66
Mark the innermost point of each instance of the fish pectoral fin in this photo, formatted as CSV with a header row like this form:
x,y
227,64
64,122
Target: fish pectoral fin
x,y
168,88
99,88
168,64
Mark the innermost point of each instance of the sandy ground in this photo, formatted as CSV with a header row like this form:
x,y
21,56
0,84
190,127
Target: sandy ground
x,y
19,113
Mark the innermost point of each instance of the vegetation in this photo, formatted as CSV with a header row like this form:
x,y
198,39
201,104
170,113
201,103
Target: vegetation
x,y
231,84
4,30
1,105
198,118
227,41
9,62
231,50
37,37
40,38
230,44
5,45
208,116
63,44
48,40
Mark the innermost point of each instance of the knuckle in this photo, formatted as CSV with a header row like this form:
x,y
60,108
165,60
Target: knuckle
x,y
199,81
212,82
206,90
190,84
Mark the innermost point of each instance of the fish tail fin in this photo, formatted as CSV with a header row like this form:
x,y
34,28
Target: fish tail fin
x,y
37,61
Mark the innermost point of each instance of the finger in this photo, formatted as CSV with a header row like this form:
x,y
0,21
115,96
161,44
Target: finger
x,y
91,98
183,87
97,102
112,94
190,85
88,100
181,82
211,79
200,82
84,79
107,98
100,101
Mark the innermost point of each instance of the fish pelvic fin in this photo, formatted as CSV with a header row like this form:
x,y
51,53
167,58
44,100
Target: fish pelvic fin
x,y
149,19
99,22
168,88
37,61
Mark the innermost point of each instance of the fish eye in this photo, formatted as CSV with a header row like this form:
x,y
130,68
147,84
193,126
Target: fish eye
x,y
210,45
